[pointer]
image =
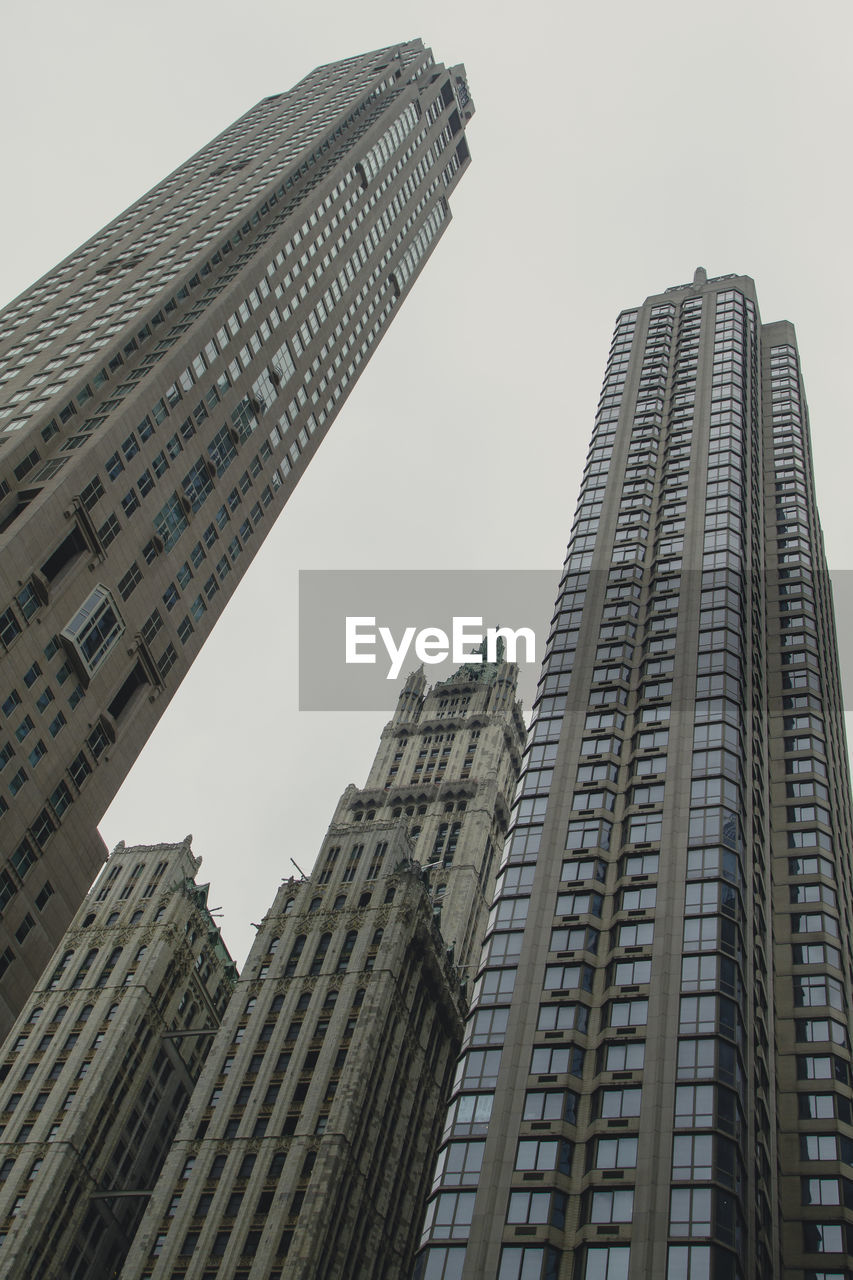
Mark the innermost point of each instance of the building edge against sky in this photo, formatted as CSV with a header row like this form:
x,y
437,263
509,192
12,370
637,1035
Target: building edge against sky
x,y
161,392
661,1025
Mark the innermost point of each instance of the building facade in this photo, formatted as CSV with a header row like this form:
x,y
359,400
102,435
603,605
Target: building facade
x,y
308,1145
101,1062
660,1035
161,392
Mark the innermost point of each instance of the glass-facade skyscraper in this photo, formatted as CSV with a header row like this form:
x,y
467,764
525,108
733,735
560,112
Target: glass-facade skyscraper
x,y
656,1072
161,392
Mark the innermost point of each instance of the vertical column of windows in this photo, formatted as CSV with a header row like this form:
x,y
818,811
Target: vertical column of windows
x,y
811,975
708,1175
762,1153
561,1052
620,880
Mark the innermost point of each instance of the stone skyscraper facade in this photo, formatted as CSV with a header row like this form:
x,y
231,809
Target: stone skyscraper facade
x,y
310,1139
656,1073
161,392
101,1063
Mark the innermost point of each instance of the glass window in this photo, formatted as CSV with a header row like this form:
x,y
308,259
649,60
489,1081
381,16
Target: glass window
x,y
612,1206
95,628
616,1153
606,1262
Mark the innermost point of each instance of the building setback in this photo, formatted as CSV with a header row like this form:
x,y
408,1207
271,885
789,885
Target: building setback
x,y
101,1062
307,1148
161,392
656,1072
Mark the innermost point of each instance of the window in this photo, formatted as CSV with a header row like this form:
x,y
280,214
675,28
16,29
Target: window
x,y
692,1262
614,1103
638,899
128,584
616,1153
645,829
94,628
692,1157
690,1211
26,726
694,1106
551,1060
92,493
611,1206
606,1262
550,1104
449,1215
9,627
130,502
636,935
631,972
197,485
479,1069
470,1113
626,1055
529,1262
536,1207
170,522
544,1153
17,782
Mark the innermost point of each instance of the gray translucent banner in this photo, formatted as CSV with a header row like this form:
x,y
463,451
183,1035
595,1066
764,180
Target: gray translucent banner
x,y
386,622
397,600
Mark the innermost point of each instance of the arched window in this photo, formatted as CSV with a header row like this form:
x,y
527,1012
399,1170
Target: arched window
x,y
315,905
84,968
293,958
346,950
320,953
374,947
106,972
59,970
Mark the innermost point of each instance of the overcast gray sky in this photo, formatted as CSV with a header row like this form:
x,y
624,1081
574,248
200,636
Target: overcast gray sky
x,y
615,148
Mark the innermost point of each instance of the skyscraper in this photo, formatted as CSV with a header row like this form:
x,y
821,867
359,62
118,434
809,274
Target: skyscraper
x,y
308,1144
656,1078
161,392
101,1063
